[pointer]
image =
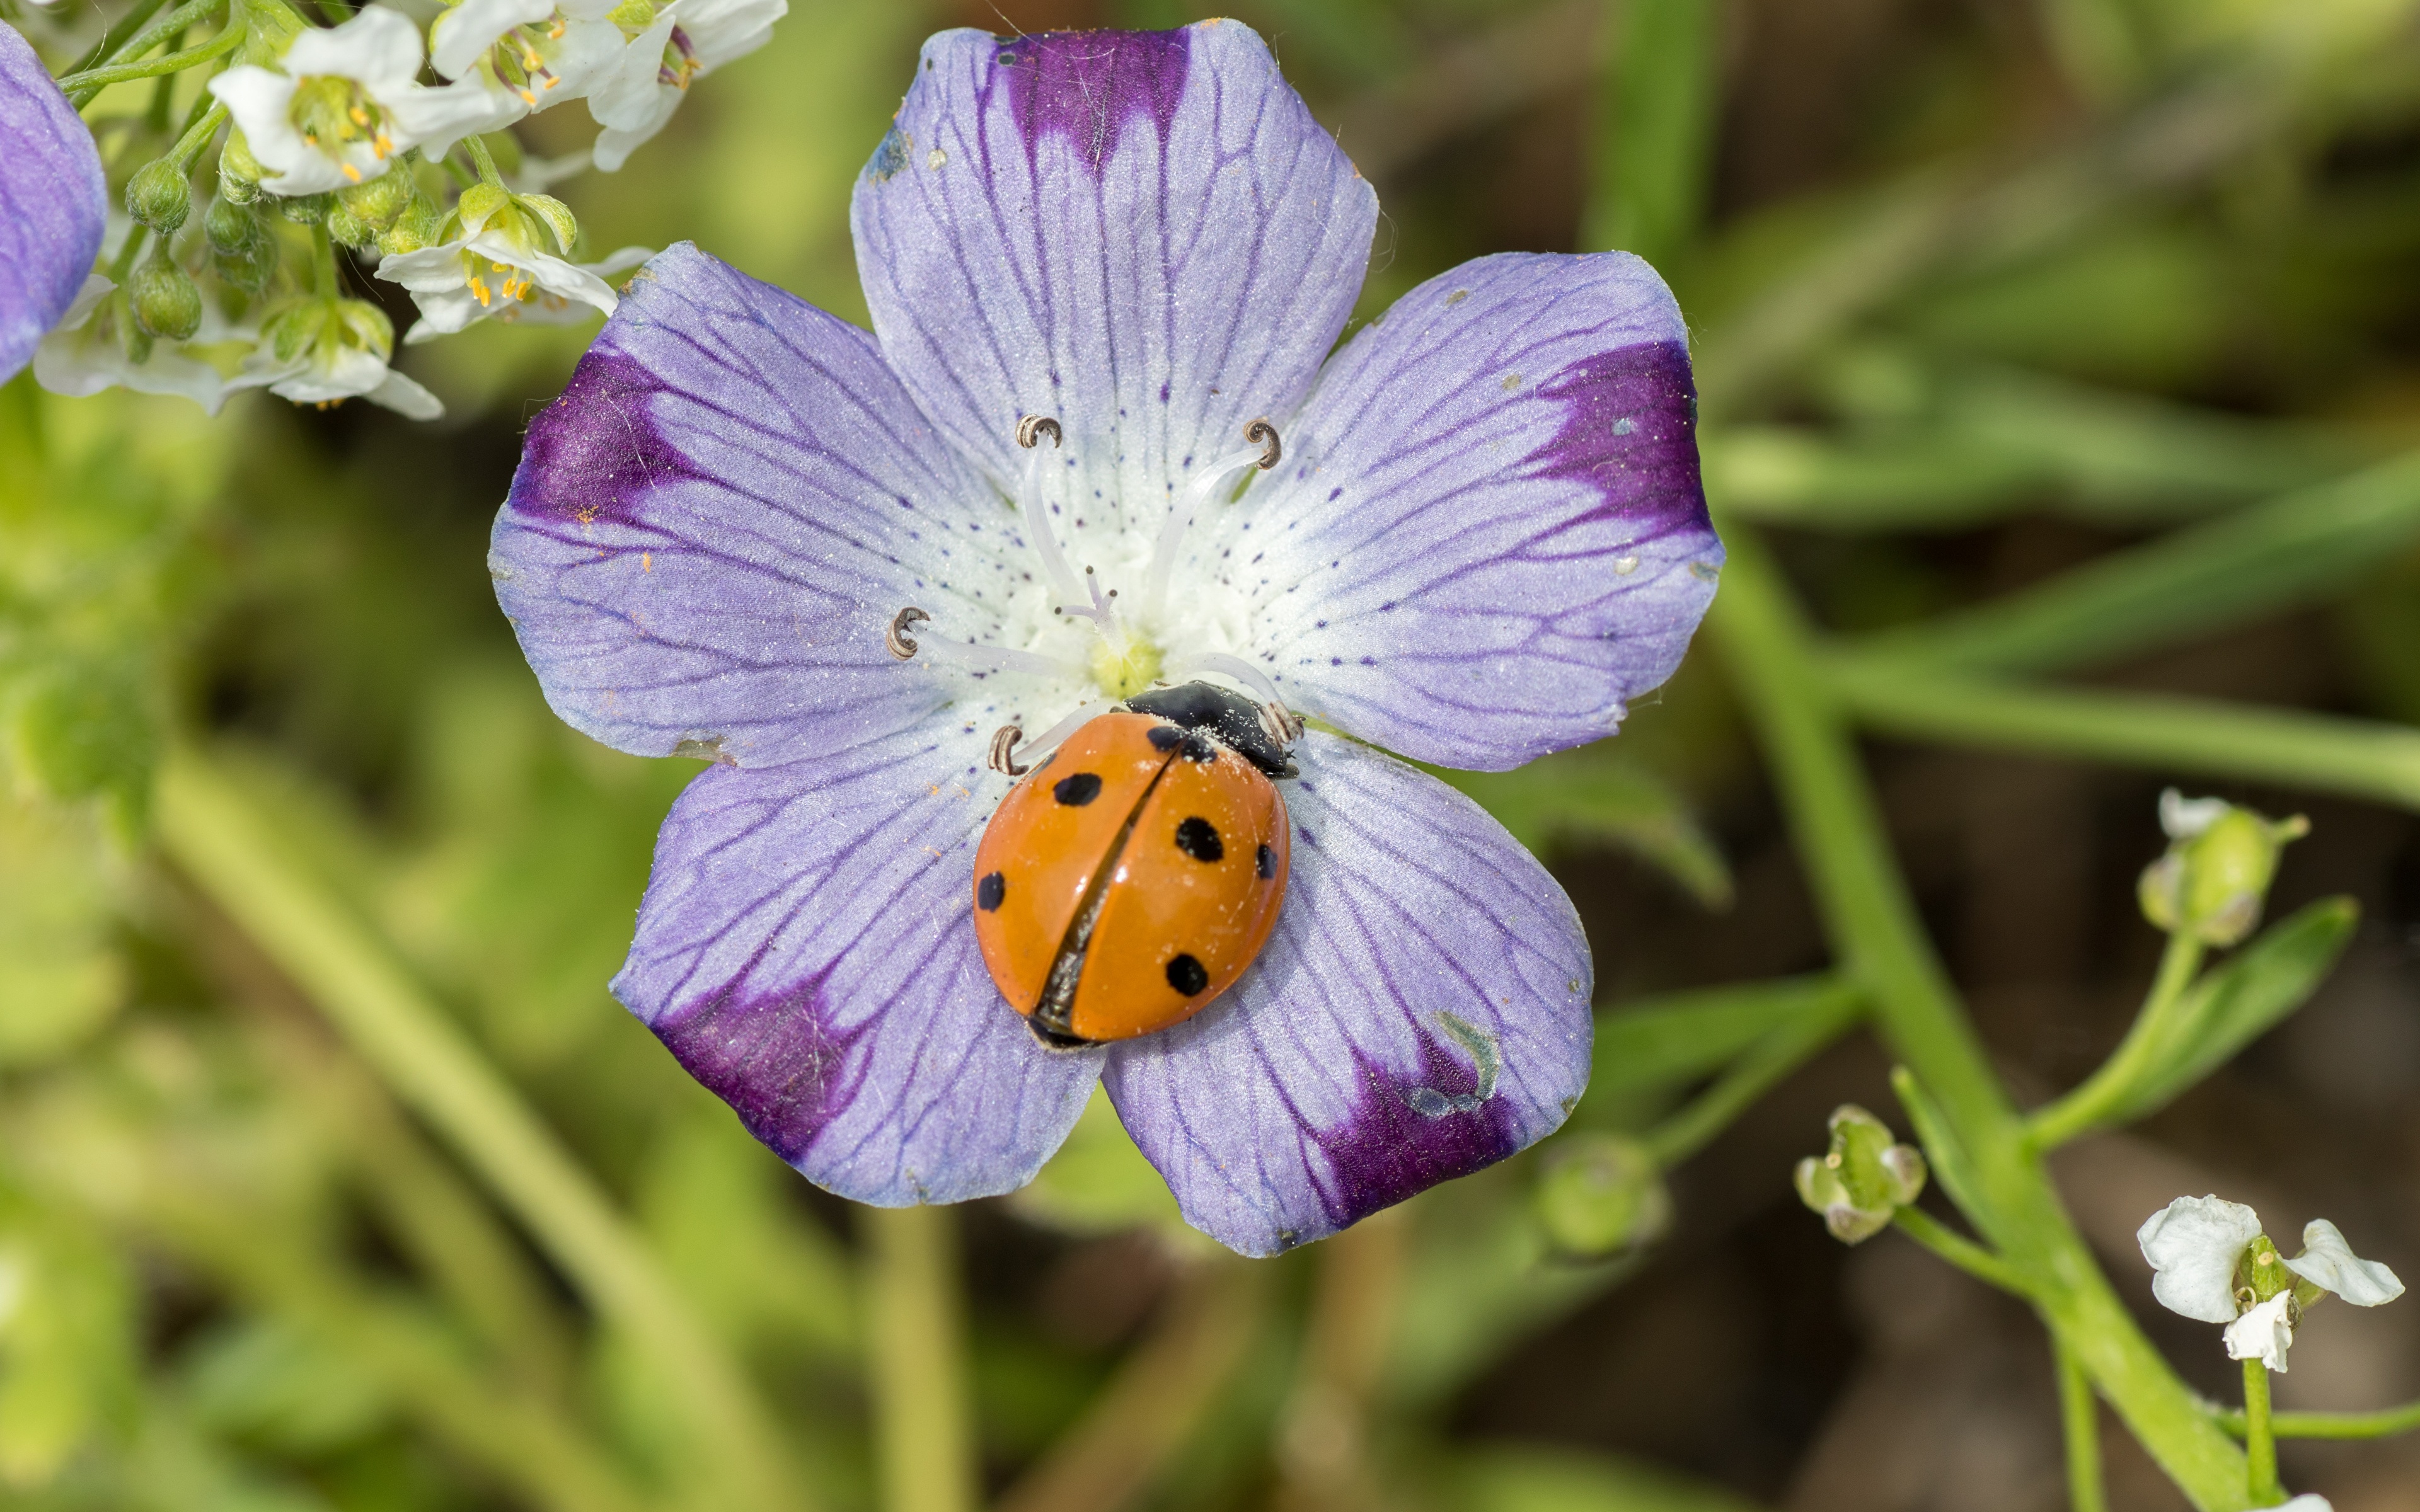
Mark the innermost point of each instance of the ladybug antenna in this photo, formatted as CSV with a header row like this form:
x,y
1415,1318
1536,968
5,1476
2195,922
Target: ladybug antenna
x,y
1030,432
1264,454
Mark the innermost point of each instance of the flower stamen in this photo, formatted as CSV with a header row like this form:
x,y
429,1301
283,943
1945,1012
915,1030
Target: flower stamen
x,y
1030,432
1266,450
897,638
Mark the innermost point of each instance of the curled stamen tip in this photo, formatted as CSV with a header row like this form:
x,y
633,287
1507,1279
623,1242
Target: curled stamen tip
x,y
1030,430
1261,433
1280,724
895,639
1003,747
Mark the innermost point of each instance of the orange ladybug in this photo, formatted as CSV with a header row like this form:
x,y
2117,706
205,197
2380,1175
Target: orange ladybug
x,y
1128,880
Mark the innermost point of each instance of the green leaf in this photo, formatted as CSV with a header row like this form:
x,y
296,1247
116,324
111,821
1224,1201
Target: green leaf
x,y
1655,134
1661,1042
2237,1003
1535,1478
267,1380
1591,795
1952,1164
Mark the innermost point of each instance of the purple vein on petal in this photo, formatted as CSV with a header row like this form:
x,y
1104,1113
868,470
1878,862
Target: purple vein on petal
x,y
596,453
775,1056
1088,86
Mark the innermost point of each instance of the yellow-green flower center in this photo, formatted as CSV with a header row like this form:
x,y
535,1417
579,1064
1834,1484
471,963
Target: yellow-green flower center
x,y
1125,665
332,113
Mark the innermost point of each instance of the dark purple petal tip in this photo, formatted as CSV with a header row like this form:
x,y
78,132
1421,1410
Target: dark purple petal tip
x,y
1087,88
52,201
596,453
774,1056
1631,432
1408,1135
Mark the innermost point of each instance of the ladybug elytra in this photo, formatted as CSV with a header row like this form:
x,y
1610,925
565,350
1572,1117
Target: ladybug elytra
x,y
1131,879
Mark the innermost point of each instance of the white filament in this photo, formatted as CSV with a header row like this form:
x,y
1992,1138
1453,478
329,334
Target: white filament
x,y
1049,739
993,659
1103,613
1037,524
1179,519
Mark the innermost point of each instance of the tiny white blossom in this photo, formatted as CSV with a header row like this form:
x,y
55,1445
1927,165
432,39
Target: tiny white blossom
x,y
688,40
2193,1244
2307,1502
543,52
494,263
344,100
2183,818
323,352
2264,1333
84,354
2329,1262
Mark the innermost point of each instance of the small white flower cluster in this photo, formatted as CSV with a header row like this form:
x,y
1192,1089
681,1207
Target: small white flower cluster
x,y
2213,1263
341,129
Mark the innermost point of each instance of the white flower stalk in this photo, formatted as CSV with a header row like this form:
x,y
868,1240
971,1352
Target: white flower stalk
x,y
544,52
494,264
325,351
2213,1264
96,346
344,100
686,41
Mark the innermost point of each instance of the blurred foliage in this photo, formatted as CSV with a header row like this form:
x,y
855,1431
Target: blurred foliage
x,y
2022,269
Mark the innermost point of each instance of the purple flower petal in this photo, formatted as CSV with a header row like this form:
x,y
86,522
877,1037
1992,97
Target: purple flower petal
x,y
1491,535
53,201
807,950
1144,234
1422,1011
711,530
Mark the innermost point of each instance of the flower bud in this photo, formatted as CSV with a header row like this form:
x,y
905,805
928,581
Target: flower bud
x,y
1601,1195
165,301
306,209
1863,1179
230,226
238,170
346,229
250,267
160,197
2216,873
377,202
420,226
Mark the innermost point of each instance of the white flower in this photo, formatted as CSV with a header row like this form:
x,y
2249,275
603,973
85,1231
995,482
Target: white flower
x,y
2307,1502
2198,1247
323,352
2183,818
346,101
688,38
495,265
2193,1244
85,353
2264,1333
543,52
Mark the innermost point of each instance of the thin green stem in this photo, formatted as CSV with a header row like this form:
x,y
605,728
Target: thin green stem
x,y
115,33
917,1354
323,264
1960,1251
2079,1415
2167,733
1775,1056
226,843
123,263
198,133
80,88
2384,1424
484,160
2108,1088
1874,927
2259,1438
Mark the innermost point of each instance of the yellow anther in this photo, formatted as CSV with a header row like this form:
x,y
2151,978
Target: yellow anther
x,y
350,171
554,33
361,116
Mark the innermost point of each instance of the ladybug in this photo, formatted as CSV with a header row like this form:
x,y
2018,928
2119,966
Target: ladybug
x,y
1132,876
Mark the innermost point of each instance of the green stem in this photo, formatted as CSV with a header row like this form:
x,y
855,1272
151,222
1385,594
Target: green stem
x,y
2080,1416
324,263
2382,1424
1775,1056
2260,1439
916,1348
1874,927
124,263
2090,1105
226,844
80,88
198,135
115,33
1960,1251
2167,733
483,159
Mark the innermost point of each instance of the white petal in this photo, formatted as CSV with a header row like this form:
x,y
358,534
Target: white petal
x,y
588,52
438,119
460,36
412,402
631,94
2264,1334
347,375
260,100
443,312
2183,818
2193,1244
2307,1502
427,272
378,47
2328,1262
96,288
620,260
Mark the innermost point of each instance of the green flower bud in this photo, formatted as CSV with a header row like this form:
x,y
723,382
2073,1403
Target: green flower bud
x,y
346,229
238,170
306,209
1601,1195
160,197
292,329
250,267
480,204
1863,1179
420,226
2216,874
165,300
377,202
230,226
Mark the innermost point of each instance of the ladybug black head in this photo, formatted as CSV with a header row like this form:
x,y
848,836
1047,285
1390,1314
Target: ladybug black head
x,y
1230,719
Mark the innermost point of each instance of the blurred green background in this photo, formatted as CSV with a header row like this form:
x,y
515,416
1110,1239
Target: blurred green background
x,y
344,1184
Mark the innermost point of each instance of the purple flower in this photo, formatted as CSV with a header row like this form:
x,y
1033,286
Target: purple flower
x,y
1485,535
53,201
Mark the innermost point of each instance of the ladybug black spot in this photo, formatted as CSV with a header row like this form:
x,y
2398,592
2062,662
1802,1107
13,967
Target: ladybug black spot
x,y
1079,790
992,889
1185,975
1199,838
1264,862
1199,748
1165,736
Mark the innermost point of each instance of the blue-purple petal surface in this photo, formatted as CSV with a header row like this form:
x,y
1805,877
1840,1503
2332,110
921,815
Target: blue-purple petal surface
x,y
1144,234
1489,533
711,530
807,950
52,201
1422,1011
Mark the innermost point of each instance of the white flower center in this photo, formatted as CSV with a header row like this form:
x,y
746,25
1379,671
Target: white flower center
x,y
1106,629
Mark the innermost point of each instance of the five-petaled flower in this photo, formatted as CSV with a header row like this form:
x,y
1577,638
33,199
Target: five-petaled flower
x,y
493,264
54,203
685,41
2212,1262
1485,536
344,100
